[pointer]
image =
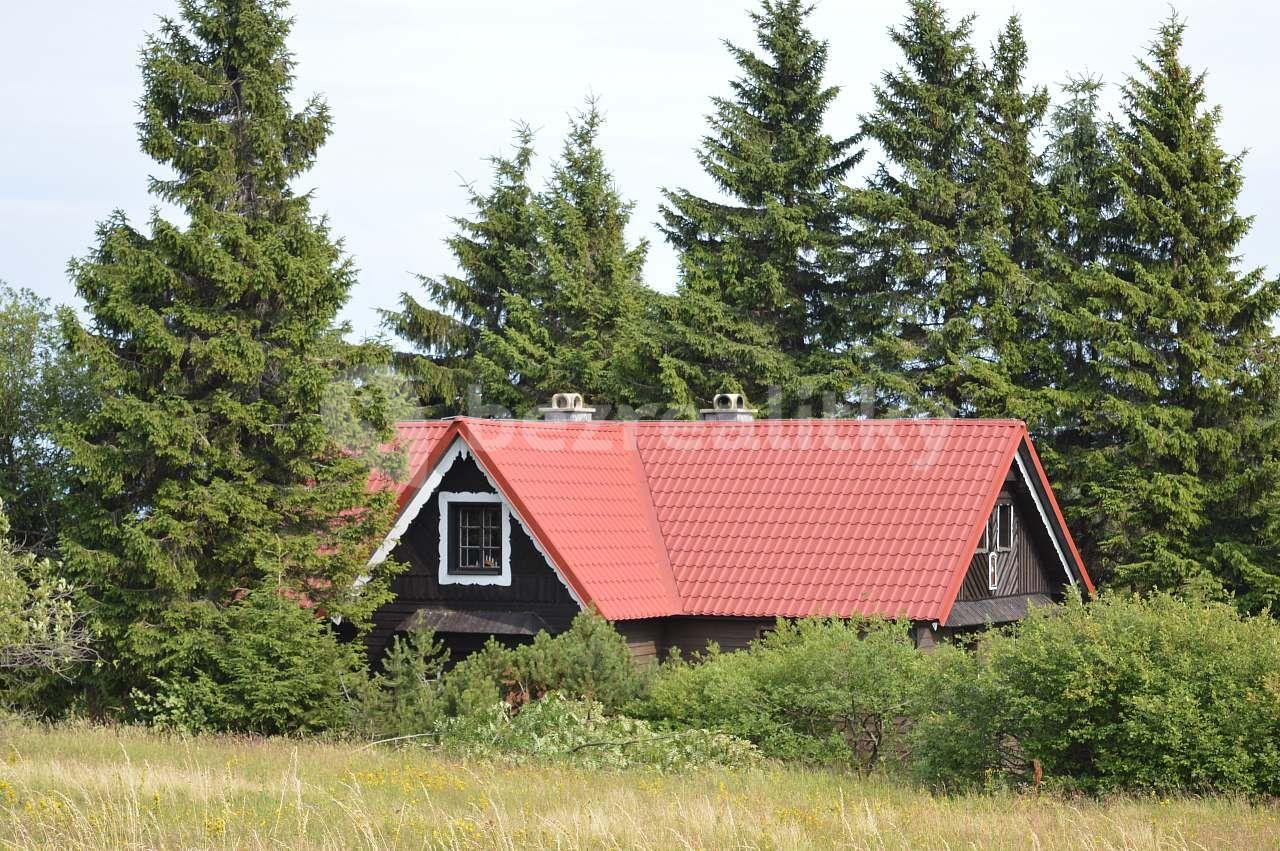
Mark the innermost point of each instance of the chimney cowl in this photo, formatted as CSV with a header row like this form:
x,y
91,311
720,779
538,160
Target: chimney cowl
x,y
567,408
728,407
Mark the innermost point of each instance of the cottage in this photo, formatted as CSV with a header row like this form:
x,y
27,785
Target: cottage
x,y
682,533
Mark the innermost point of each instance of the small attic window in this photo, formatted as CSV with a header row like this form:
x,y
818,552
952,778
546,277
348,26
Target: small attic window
x,y
997,535
1004,527
475,538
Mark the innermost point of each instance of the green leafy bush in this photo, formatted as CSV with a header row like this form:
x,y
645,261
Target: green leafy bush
x,y
1160,694
584,733
41,627
814,689
264,665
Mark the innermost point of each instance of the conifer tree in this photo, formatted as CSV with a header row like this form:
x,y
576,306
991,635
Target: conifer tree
x,y
757,263
1012,251
208,468
497,252
913,292
1077,170
567,330
1176,451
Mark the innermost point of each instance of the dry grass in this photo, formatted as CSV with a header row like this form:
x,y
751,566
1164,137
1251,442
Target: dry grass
x,y
88,787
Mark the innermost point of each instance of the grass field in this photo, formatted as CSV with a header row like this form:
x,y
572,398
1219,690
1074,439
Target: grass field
x,y
81,786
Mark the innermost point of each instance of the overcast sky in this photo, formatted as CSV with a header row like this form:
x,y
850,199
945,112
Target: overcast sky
x,y
423,90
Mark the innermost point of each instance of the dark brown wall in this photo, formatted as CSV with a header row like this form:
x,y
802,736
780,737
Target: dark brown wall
x,y
654,638
692,634
645,638
1035,568
534,585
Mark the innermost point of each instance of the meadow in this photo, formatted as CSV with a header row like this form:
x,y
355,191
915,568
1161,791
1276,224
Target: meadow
x,y
118,787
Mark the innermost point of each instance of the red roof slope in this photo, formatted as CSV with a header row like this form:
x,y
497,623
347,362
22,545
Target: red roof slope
x,y
766,518
582,492
823,517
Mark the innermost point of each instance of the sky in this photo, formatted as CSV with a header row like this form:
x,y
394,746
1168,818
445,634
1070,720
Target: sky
x,y
423,91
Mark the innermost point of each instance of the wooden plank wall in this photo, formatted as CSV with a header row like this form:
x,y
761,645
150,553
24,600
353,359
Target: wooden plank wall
x,y
534,585
1027,567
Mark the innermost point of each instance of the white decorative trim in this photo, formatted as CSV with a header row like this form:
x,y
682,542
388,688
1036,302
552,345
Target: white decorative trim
x,y
1044,515
458,449
503,576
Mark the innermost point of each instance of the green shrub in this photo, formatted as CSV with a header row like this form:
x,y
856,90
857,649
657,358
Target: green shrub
x,y
1122,693
404,698
263,665
589,661
584,733
814,689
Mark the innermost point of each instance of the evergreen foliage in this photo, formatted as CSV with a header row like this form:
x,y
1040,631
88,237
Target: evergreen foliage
x,y
567,329
589,661
1170,459
1076,169
914,291
498,253
208,466
264,664
43,387
754,309
1013,252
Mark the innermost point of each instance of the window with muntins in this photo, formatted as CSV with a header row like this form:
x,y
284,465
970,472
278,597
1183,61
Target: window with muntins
x,y
475,534
997,536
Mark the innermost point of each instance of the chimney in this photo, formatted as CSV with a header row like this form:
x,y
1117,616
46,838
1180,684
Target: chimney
x,y
567,408
728,408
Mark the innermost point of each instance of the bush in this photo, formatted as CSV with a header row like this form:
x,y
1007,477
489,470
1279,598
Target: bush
x,y
413,693
263,665
582,732
814,689
404,698
589,661
1160,694
41,628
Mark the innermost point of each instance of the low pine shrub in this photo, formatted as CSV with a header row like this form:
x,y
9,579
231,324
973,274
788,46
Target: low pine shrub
x,y
405,698
588,661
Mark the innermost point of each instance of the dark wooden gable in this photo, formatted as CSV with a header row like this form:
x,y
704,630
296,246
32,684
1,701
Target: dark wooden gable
x,y
535,589
1030,567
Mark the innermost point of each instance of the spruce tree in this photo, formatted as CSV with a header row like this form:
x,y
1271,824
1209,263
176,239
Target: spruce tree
x,y
566,330
757,262
208,469
1176,453
497,253
913,293
1077,170
1012,251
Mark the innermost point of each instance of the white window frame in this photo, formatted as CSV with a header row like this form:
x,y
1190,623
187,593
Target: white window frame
x,y
993,570
1004,508
444,576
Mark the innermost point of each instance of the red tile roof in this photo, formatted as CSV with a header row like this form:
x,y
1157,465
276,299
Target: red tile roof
x,y
771,518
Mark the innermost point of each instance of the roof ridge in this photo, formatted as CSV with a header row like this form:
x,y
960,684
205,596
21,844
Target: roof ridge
x,y
769,421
